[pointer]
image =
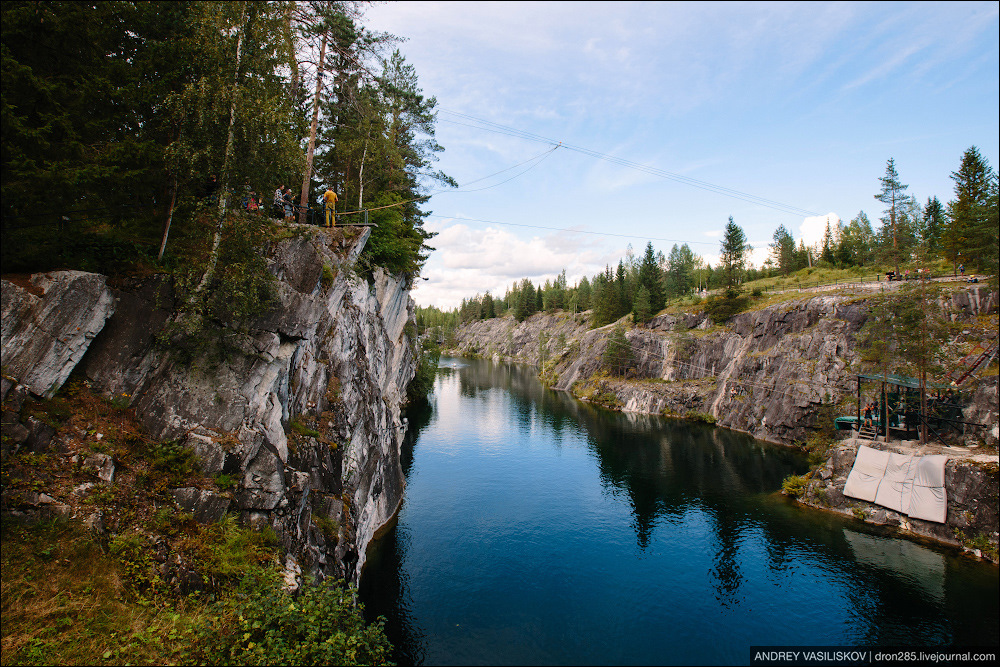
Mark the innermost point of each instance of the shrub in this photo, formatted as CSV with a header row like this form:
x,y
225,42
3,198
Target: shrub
x,y
320,626
171,459
794,485
722,308
304,430
224,481
694,415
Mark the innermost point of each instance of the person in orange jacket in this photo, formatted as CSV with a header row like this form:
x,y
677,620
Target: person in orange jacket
x,y
330,199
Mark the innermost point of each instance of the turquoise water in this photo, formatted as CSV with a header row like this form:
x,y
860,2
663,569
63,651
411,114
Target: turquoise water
x,y
540,530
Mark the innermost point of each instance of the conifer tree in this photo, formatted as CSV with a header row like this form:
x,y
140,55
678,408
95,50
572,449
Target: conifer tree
x,y
971,232
934,221
651,278
891,194
733,251
783,250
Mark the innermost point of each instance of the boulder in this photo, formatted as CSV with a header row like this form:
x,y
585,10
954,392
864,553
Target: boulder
x,y
48,326
206,506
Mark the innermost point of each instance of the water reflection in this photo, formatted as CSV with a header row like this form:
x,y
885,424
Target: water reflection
x,y
538,529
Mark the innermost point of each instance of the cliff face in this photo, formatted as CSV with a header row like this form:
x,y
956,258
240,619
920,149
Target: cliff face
x,y
303,409
766,372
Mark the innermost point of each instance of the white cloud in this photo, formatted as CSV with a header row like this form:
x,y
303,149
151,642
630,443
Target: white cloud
x,y
812,229
472,261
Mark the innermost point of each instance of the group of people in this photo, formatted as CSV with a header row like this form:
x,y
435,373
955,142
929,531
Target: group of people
x,y
284,203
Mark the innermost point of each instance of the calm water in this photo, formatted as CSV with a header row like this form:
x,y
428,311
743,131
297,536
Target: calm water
x,y
540,530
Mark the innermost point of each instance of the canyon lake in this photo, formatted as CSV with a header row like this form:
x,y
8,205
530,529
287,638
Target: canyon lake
x,y
538,529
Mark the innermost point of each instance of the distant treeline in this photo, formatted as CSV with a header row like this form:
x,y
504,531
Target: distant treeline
x,y
910,235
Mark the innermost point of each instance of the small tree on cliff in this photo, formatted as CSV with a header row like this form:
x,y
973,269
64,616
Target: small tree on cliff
x,y
618,354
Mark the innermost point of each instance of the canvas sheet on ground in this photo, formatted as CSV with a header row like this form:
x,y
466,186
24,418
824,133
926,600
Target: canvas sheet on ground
x,y
911,485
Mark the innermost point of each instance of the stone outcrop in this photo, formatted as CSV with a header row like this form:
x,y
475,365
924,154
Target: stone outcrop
x,y
765,372
48,325
302,409
971,481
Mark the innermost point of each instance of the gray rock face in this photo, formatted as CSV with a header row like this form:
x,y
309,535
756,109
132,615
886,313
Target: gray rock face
x,y
766,372
336,353
206,506
47,328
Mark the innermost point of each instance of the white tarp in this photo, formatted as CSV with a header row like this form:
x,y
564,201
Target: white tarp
x,y
869,468
894,490
911,485
928,500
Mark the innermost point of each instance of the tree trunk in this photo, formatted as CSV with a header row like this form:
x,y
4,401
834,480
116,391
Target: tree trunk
x,y
304,199
170,217
224,179
361,175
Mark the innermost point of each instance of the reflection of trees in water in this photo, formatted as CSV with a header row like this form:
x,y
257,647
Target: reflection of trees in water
x,y
418,416
388,595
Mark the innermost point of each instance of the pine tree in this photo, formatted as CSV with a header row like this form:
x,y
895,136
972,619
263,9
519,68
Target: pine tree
x,y
971,232
640,307
891,194
783,250
733,251
934,221
827,254
651,278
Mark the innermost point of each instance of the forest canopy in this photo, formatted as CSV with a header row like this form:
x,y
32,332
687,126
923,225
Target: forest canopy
x,y
117,115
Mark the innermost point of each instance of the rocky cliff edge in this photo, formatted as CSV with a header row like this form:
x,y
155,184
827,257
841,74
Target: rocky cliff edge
x,y
303,410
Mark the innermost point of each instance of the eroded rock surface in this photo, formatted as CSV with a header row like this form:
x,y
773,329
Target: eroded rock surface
x,y
302,417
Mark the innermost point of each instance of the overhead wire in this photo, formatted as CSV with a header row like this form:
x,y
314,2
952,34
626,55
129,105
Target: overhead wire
x,y
492,126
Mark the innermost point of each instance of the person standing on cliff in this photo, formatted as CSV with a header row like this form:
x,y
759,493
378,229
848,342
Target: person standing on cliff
x,y
330,199
289,204
277,204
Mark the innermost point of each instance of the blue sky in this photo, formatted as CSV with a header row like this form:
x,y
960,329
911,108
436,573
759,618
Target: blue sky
x,y
797,103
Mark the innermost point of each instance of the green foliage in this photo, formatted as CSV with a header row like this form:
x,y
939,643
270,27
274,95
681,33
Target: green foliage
x,y
422,383
618,353
227,552
970,235
303,430
906,334
733,251
225,481
320,626
171,460
724,307
134,555
795,485
329,528
704,417
979,541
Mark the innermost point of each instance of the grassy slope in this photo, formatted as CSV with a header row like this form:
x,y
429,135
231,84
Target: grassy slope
x,y
70,596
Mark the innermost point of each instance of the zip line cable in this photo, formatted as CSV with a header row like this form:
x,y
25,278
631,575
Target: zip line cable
x,y
491,126
539,157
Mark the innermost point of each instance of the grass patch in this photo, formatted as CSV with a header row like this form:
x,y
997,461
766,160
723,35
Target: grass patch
x,y
67,601
304,430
